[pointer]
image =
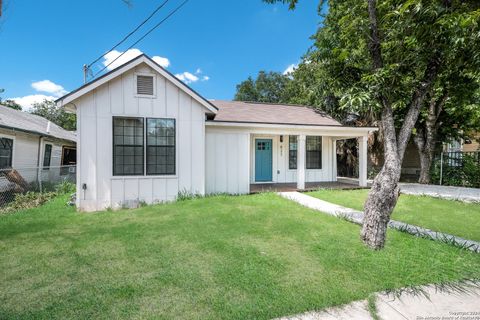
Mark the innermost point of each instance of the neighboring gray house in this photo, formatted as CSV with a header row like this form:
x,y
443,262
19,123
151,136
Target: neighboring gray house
x,y
28,142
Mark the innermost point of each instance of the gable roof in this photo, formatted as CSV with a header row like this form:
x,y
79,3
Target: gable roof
x,y
254,112
143,58
30,123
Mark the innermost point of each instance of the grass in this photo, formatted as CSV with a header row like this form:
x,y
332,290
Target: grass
x,y
245,257
448,216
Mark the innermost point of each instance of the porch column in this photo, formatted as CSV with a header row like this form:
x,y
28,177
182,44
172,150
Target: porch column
x,y
362,161
301,150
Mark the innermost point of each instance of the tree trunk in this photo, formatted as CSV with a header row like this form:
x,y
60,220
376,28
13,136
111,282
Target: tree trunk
x,y
425,155
426,138
383,195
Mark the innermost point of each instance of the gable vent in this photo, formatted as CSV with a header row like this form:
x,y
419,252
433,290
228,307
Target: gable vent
x,y
145,85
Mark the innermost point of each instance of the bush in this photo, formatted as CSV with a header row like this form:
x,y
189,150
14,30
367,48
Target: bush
x,y
465,175
28,200
65,187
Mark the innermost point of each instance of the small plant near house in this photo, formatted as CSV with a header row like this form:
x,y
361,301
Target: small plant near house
x,y
187,195
65,187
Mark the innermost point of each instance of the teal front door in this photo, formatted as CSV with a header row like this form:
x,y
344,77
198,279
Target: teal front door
x,y
263,160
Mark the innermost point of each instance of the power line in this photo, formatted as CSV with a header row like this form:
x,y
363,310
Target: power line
x,y
131,33
146,34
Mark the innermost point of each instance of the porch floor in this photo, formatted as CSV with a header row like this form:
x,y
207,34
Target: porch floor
x,y
309,186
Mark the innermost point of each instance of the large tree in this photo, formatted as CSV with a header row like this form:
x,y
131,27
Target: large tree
x,y
49,110
266,87
384,58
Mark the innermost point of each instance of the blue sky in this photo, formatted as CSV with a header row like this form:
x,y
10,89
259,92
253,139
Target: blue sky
x,y
218,43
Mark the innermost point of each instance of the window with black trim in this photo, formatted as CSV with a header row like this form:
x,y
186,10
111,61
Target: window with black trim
x,y
47,155
128,146
314,152
6,152
160,146
292,152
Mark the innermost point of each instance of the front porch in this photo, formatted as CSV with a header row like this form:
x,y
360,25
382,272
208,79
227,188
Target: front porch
x,y
309,186
301,160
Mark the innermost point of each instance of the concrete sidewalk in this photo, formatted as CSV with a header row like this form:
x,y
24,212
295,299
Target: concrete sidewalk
x,y
460,304
445,192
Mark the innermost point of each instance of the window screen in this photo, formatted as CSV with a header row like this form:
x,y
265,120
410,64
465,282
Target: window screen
x,y
47,156
6,150
145,85
128,146
292,152
314,152
160,146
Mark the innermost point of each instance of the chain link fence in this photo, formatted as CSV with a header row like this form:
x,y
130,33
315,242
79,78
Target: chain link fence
x,y
15,181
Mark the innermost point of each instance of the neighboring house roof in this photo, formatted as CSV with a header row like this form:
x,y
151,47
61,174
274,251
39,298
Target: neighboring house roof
x,y
253,112
71,96
27,122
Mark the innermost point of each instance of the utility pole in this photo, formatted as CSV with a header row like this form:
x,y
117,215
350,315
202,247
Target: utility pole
x,y
0,8
85,71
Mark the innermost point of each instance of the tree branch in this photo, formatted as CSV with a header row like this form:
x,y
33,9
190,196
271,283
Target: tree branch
x,y
416,104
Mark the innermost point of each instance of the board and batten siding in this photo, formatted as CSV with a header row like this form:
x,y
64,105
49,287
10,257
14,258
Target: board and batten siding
x,y
118,97
227,162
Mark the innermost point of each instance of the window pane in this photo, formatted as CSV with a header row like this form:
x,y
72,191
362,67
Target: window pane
x,y
292,152
161,146
128,146
314,152
6,147
47,156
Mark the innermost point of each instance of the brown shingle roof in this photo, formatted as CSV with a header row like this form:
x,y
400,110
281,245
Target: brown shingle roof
x,y
253,112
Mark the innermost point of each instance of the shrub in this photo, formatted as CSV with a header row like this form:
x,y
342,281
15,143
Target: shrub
x,y
466,174
28,200
65,187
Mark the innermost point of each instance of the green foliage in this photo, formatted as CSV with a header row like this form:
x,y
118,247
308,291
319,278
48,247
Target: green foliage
x,y
57,115
28,200
65,187
466,174
11,104
267,87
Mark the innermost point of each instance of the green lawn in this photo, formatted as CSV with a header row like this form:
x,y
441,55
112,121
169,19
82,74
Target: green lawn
x,y
246,257
453,217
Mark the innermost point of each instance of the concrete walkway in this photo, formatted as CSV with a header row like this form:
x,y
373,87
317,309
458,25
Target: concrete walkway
x,y
357,217
432,303
445,192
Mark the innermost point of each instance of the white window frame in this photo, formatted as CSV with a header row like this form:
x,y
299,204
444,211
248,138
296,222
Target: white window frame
x,y
154,85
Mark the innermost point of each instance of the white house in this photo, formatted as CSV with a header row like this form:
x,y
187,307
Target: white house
x,y
145,136
33,145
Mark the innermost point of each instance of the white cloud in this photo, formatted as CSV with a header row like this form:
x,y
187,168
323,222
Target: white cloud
x,y
290,69
110,57
49,87
187,77
164,62
205,78
27,101
198,71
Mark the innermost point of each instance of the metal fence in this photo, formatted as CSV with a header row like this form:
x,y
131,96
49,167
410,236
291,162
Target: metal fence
x,y
15,181
458,168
